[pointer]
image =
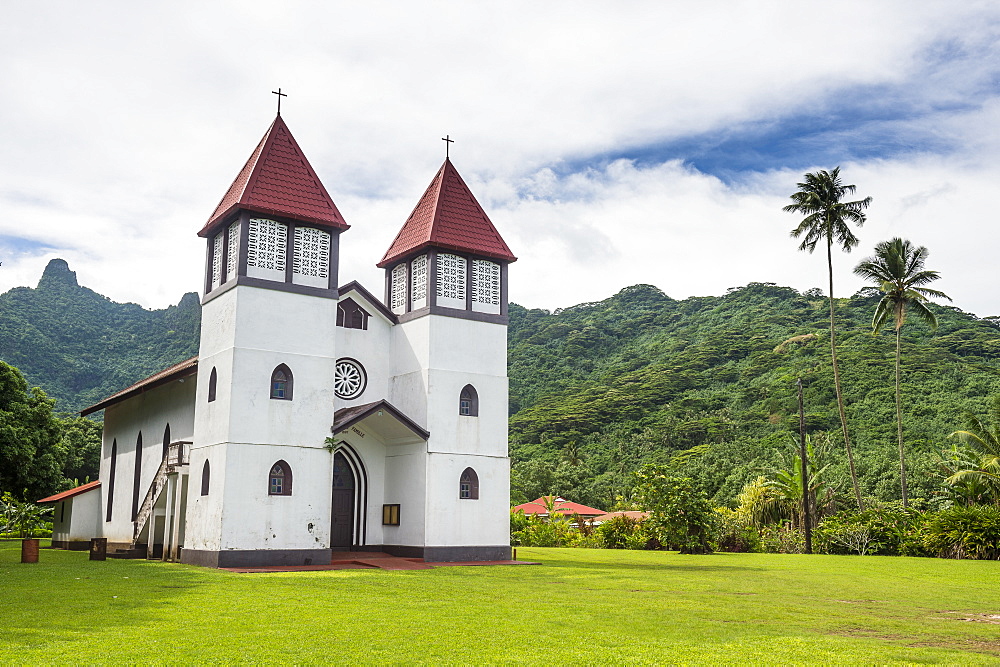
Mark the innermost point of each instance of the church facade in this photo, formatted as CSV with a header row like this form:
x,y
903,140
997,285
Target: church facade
x,y
317,416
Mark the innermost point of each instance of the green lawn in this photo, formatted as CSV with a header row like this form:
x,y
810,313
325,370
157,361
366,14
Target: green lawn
x,y
577,606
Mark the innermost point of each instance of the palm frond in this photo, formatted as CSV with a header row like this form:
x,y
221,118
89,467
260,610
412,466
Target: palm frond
x,y
918,308
882,312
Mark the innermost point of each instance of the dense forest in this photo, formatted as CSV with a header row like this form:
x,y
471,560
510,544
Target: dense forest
x,y
599,389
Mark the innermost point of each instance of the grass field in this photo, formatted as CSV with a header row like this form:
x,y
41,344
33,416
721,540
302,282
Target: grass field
x,y
576,606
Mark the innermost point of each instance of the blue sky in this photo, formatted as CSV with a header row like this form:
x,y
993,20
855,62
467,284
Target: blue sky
x,y
611,145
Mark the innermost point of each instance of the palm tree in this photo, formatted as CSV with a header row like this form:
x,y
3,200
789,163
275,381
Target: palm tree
x,y
819,198
978,471
897,267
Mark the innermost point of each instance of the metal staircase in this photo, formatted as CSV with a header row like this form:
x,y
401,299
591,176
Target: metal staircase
x,y
177,456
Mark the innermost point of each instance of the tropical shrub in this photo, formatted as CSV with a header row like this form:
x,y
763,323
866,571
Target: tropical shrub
x,y
623,532
782,539
965,532
735,534
888,530
533,531
680,515
23,519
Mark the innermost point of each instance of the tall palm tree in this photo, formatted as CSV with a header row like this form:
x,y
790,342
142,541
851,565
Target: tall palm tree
x,y
820,198
897,268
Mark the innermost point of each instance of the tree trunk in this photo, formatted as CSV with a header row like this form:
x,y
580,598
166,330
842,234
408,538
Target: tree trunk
x,y
899,424
836,380
804,458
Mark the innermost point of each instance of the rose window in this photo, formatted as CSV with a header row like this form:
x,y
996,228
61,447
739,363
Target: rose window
x,y
349,379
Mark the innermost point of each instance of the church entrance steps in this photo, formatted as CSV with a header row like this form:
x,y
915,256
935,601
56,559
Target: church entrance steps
x,y
360,560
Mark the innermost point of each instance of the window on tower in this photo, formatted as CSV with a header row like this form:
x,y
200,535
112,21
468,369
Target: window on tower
x,y
418,268
280,480
451,281
213,384
468,402
468,485
281,383
217,244
485,286
397,289
205,478
311,257
267,242
233,250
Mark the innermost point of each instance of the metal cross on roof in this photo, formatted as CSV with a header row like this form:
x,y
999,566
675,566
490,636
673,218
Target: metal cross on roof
x,y
280,95
448,142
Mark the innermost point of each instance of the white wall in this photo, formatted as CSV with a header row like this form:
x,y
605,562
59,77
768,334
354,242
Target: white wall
x,y
371,348
434,358
149,413
453,521
77,518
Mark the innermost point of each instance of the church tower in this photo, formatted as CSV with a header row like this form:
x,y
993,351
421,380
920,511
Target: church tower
x,y
266,356
446,282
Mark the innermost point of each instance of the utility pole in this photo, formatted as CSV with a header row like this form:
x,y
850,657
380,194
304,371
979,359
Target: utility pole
x,y
806,520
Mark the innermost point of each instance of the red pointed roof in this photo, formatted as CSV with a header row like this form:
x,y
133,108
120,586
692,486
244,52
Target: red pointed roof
x,y
448,217
278,180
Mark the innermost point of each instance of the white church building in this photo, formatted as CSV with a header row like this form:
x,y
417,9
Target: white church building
x,y
318,417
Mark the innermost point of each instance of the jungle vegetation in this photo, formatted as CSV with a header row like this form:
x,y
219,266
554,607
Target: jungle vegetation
x,y
600,389
707,384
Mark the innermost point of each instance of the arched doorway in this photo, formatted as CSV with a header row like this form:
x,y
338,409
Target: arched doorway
x,y
349,504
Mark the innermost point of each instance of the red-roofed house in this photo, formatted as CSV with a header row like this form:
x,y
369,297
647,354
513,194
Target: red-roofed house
x,y
540,507
73,516
317,416
631,514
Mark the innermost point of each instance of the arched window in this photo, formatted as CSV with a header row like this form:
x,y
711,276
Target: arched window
x,y
281,383
350,315
205,472
468,485
111,478
136,479
468,402
213,381
166,441
280,480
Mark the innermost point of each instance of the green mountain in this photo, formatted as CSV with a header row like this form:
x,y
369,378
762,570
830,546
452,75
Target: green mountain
x,y
601,388
598,389
81,347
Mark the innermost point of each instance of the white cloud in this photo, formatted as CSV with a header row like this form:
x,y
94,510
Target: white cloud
x,y
124,123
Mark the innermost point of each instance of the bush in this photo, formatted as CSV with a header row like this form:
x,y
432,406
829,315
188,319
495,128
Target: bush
x,y
23,518
624,532
965,532
735,534
532,531
782,540
680,515
885,531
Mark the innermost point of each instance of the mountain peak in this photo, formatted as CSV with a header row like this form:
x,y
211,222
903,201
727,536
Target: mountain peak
x,y
57,273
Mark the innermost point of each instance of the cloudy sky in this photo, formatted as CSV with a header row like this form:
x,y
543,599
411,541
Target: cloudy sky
x,y
610,143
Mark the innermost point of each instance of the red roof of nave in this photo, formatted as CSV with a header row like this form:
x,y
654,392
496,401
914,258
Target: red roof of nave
x,y
448,217
278,180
